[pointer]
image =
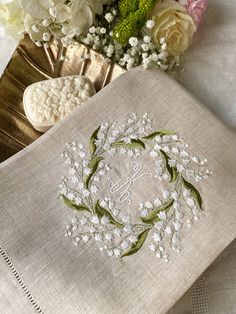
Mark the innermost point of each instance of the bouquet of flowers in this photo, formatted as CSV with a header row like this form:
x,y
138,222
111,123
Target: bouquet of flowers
x,y
154,33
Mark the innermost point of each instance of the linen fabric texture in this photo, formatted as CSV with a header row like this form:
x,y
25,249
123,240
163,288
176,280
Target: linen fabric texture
x,y
64,278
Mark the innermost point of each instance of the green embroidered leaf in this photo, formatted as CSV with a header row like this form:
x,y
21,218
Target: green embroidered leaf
x,y
158,133
152,217
135,143
195,193
172,170
138,244
100,212
71,204
93,139
93,165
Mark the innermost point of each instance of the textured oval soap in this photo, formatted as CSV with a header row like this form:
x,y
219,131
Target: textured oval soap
x,y
47,102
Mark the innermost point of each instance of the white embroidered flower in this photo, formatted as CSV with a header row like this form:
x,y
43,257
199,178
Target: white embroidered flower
x,y
166,194
190,201
158,225
71,196
158,254
92,229
175,195
84,221
82,154
117,232
74,179
105,220
63,191
152,247
133,238
168,230
162,215
78,201
117,252
156,237
98,237
186,192
95,220
80,185
128,228
86,193
93,189
153,154
125,245
179,215
85,238
165,176
108,237
180,167
144,212
149,205
177,225
195,159
126,219
172,162
110,253
184,154
157,202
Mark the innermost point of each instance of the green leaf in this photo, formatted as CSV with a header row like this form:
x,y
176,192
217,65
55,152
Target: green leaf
x,y
152,217
172,170
93,165
158,133
100,212
71,204
135,143
138,244
94,137
195,193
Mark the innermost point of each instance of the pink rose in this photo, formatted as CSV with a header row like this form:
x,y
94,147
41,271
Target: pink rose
x,y
196,9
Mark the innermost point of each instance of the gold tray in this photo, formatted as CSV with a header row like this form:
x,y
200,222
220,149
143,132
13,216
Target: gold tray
x,y
30,64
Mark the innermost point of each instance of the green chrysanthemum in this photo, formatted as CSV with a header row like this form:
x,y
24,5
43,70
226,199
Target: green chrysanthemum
x,y
133,18
128,6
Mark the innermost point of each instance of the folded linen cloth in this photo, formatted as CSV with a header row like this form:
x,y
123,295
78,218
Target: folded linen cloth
x,y
58,276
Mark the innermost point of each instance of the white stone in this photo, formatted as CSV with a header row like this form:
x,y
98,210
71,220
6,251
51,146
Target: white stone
x,y
47,102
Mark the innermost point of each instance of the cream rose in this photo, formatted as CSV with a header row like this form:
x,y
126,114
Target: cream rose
x,y
173,23
11,19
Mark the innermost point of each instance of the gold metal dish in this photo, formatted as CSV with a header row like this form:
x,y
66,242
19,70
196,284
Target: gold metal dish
x,y
30,64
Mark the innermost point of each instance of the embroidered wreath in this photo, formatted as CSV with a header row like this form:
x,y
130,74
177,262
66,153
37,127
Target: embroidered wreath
x,y
102,220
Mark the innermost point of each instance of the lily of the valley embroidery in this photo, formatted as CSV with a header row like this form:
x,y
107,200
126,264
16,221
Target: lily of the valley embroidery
x,y
160,221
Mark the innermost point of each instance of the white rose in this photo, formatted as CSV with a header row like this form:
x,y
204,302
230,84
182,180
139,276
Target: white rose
x,y
173,23
61,12
82,16
83,13
37,8
11,19
30,22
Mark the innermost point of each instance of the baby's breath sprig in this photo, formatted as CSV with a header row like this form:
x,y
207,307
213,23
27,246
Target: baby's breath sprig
x,y
139,49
